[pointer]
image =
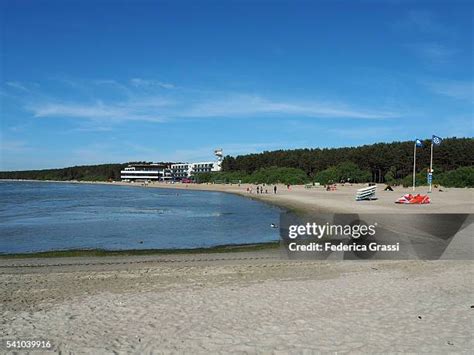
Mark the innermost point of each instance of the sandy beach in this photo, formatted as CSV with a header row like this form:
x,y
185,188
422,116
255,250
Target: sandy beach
x,y
243,302
342,200
248,302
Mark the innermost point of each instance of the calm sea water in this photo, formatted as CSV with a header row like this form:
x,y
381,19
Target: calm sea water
x,y
38,216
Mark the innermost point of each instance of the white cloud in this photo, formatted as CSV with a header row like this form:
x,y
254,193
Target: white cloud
x,y
251,105
158,109
114,85
17,85
456,89
426,22
139,82
151,106
435,39
98,111
434,53
92,128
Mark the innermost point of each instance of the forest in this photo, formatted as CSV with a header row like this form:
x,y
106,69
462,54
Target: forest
x,y
101,172
380,162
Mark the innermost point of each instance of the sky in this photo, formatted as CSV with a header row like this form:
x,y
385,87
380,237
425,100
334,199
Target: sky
x,y
89,82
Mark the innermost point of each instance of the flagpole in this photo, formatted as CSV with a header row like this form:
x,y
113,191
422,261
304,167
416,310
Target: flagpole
x,y
431,165
414,165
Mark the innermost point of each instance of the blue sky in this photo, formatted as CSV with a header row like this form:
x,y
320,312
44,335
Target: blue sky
x,y
86,82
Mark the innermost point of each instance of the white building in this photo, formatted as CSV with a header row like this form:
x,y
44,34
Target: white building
x,y
164,172
187,170
146,172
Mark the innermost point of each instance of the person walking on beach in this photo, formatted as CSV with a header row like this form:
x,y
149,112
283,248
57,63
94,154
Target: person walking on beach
x,y
275,189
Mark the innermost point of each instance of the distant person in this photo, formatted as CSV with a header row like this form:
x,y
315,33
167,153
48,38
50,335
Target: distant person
x,y
274,189
288,186
266,191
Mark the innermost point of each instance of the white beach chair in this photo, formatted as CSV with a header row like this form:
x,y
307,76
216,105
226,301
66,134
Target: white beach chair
x,y
366,193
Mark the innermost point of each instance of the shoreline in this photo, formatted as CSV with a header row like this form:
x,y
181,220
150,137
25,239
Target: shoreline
x,y
300,200
177,186
67,253
297,199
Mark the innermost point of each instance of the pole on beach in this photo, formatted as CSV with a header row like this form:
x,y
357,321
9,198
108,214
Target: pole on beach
x,y
414,165
431,167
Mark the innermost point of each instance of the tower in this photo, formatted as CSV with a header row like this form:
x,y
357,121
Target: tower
x,y
220,157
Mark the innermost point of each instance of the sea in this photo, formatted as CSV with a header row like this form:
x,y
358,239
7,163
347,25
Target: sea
x,y
46,216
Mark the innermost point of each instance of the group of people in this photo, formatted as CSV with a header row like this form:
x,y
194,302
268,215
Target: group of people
x,y
262,189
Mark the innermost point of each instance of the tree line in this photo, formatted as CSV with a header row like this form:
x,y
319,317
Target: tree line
x,y
347,172
380,162
271,175
101,172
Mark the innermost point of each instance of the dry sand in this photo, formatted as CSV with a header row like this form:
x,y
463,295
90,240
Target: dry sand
x,y
342,200
239,302
249,302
